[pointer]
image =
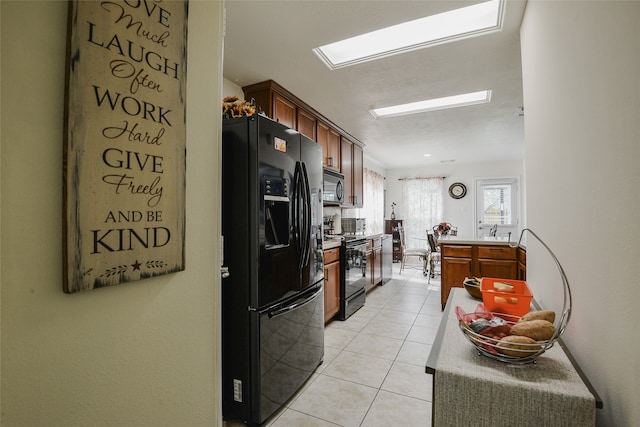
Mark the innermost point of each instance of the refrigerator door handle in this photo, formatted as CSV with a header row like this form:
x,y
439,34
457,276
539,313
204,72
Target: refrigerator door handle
x,y
283,310
296,208
306,215
301,213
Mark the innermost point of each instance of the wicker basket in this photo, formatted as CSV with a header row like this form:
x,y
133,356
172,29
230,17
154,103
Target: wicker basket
x,y
491,347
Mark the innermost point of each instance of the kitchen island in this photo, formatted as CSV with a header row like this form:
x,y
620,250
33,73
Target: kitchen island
x,y
463,257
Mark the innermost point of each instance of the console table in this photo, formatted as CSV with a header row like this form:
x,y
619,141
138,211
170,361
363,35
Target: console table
x,y
474,390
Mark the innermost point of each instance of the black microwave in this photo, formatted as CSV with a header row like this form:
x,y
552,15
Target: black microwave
x,y
333,188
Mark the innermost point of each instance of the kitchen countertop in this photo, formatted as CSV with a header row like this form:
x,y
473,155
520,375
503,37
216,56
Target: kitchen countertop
x,y
331,244
334,243
462,240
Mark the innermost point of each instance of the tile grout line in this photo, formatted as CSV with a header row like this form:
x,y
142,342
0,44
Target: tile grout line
x,y
387,305
396,356
387,374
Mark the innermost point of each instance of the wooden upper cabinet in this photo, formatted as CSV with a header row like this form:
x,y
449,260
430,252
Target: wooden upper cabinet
x,y
352,162
329,140
358,176
347,171
339,151
307,124
322,138
284,111
334,150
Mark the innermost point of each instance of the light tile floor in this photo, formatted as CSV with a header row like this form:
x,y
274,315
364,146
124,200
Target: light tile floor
x,y
374,366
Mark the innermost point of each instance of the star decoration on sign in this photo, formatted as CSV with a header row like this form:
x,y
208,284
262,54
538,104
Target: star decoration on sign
x,y
136,265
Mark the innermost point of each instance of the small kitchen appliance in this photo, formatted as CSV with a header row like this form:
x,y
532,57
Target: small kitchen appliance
x,y
354,226
333,188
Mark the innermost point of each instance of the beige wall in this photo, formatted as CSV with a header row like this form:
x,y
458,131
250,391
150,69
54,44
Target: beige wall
x,y
231,89
138,354
581,62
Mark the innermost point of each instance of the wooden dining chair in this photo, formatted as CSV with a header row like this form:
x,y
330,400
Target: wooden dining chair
x,y
421,253
434,256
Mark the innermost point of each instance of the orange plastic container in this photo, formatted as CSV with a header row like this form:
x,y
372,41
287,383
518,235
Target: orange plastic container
x,y
506,296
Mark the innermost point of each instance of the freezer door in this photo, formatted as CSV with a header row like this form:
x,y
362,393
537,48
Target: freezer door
x,y
291,348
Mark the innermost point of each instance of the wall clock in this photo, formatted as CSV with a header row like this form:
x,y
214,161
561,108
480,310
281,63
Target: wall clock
x,y
457,190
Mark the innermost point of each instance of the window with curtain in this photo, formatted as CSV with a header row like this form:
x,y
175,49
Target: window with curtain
x,y
422,200
373,206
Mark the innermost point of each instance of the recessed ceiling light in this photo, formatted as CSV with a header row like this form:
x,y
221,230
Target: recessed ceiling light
x,y
457,24
427,155
454,101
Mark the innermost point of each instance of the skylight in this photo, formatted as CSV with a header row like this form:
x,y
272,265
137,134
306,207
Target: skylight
x,y
481,18
454,101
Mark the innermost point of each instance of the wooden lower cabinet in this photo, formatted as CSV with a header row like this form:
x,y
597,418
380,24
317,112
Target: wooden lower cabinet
x,y
496,261
374,263
331,283
455,270
522,264
482,260
497,268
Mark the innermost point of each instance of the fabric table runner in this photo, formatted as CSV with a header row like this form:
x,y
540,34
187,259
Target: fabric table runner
x,y
473,390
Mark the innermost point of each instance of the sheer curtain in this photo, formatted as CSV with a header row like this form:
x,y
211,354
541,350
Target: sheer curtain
x,y
422,206
373,206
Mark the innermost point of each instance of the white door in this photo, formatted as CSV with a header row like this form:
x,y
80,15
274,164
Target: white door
x,y
497,207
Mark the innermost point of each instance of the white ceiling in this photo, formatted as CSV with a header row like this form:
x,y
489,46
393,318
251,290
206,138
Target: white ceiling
x,y
274,40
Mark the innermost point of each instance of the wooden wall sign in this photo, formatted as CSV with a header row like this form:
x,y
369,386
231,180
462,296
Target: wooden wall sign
x,y
124,151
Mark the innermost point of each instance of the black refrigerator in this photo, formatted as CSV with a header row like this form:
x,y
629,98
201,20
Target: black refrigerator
x,y
273,297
